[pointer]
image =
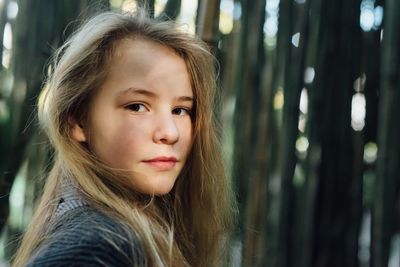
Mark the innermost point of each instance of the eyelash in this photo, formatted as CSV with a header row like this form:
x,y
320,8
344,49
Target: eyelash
x,y
134,108
187,110
130,107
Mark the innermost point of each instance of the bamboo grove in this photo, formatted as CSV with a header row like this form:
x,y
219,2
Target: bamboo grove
x,y
310,91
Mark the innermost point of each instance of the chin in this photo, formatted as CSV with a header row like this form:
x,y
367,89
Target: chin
x,y
157,185
157,189
161,191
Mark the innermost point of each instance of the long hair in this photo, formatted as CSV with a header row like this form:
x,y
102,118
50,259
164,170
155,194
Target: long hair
x,y
187,227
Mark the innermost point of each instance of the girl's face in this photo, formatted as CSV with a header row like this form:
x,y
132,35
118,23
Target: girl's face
x,y
140,119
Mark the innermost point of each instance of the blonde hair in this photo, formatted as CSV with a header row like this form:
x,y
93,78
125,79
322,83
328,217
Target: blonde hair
x,y
189,226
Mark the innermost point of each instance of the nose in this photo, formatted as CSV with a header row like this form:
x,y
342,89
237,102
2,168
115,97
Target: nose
x,y
166,130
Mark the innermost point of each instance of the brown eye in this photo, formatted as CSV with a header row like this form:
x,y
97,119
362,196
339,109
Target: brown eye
x,y
181,111
136,107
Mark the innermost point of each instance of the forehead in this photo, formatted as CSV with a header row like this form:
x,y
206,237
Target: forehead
x,y
143,51
140,54
149,65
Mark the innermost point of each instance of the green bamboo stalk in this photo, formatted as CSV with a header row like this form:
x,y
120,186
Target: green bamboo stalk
x,y
388,161
171,10
257,97
291,212
306,208
332,147
247,81
208,22
273,235
285,159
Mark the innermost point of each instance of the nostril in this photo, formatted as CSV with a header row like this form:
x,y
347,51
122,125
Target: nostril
x,y
166,132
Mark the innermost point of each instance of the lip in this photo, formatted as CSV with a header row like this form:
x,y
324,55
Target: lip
x,y
162,163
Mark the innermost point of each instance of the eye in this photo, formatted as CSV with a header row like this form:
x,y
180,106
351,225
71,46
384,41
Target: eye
x,y
136,107
182,111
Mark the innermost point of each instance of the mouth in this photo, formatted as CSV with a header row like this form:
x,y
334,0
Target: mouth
x,y
162,163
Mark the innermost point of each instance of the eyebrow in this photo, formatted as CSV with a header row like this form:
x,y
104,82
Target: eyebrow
x,y
139,91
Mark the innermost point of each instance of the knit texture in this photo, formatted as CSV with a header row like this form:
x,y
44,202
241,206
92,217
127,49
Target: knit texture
x,y
69,198
83,236
79,235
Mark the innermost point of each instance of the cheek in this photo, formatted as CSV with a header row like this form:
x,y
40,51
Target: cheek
x,y
186,136
131,138
119,143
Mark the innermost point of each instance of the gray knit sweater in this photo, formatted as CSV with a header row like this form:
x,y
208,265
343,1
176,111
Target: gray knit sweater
x,y
83,236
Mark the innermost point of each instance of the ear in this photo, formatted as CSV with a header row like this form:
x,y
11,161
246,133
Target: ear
x,y
77,132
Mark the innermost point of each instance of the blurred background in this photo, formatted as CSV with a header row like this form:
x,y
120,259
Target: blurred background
x,y
310,94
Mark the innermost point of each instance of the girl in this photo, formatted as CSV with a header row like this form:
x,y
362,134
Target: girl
x,y
138,178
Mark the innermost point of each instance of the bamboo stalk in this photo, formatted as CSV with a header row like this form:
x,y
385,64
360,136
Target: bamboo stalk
x,y
388,161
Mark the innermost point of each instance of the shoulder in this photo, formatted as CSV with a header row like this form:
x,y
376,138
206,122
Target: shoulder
x,y
86,237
